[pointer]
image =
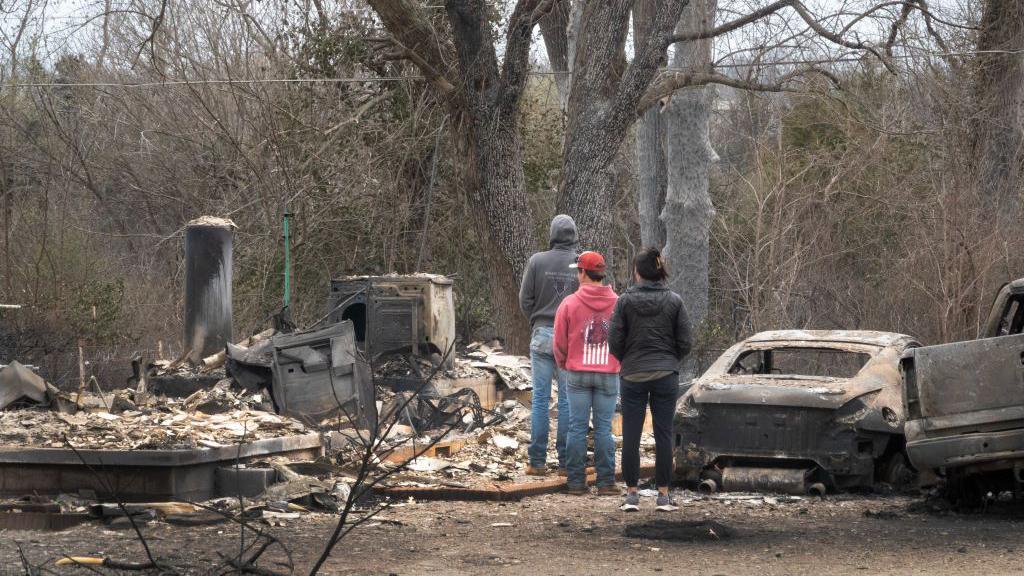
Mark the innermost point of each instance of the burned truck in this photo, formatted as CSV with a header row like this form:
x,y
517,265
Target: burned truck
x,y
796,411
965,405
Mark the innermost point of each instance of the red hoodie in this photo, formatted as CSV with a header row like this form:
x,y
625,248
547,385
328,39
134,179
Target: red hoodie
x,y
581,330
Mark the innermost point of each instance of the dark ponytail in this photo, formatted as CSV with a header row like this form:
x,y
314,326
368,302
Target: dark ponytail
x,y
649,265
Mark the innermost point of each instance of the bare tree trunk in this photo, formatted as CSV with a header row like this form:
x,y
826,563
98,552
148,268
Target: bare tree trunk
x,y
491,105
555,29
999,141
507,247
8,262
483,97
688,210
650,153
102,56
603,100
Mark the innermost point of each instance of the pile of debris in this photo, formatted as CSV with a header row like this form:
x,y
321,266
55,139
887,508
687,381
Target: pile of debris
x,y
476,361
181,378
513,371
132,420
464,446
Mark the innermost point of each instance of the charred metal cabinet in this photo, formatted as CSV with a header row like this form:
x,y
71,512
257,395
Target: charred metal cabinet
x,y
396,314
318,374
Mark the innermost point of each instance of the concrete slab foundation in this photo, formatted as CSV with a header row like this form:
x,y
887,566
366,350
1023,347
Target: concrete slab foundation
x,y
137,475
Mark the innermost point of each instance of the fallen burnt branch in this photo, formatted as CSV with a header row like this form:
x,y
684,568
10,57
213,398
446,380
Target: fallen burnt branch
x,y
104,562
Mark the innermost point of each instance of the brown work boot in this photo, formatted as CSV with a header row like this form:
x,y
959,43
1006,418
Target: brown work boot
x,y
609,490
539,471
578,490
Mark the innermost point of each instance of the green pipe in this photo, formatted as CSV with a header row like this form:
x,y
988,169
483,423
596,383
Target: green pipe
x,y
287,262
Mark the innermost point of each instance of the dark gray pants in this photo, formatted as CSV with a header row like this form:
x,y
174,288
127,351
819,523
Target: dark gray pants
x,y
661,395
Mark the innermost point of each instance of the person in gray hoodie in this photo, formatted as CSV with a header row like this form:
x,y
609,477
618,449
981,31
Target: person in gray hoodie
x,y
546,281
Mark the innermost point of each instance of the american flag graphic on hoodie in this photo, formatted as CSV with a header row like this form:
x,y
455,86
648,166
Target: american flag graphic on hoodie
x,y
595,341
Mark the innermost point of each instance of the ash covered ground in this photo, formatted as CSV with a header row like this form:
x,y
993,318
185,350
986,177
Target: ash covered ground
x,y
562,534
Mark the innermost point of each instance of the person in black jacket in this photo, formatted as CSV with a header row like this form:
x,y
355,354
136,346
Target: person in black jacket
x,y
650,336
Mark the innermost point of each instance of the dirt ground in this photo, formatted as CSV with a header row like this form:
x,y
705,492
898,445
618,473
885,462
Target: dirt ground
x,y
562,534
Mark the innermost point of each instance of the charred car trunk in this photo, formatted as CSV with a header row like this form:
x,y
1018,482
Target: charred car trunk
x,y
795,412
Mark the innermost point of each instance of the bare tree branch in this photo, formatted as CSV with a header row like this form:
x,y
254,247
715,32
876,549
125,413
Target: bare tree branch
x,y
670,81
806,16
894,30
515,70
415,36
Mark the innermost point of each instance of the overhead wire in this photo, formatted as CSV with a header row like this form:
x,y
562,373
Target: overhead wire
x,y
365,79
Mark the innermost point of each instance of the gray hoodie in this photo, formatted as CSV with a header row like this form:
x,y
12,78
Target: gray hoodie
x,y
548,278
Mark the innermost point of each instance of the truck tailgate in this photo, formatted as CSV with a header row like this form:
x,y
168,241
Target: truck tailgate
x,y
970,376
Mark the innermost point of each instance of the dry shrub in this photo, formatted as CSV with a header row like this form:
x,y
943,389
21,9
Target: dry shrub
x,y
856,211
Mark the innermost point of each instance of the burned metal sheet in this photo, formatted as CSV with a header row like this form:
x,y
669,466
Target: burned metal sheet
x,y
318,374
251,367
965,402
987,374
18,382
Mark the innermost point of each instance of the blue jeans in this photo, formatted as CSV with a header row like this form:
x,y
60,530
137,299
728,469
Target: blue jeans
x,y
542,365
598,392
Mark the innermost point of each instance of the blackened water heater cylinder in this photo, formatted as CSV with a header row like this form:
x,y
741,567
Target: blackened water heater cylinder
x,y
208,261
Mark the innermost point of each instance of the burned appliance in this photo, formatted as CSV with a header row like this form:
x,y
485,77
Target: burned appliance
x,y
311,375
397,314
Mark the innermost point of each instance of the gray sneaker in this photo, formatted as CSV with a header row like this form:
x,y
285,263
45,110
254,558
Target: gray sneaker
x,y
666,504
631,503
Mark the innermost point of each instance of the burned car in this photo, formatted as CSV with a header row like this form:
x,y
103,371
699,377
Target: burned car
x,y
796,411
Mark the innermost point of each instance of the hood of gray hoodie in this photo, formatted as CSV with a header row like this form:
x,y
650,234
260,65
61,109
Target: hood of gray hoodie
x,y
563,232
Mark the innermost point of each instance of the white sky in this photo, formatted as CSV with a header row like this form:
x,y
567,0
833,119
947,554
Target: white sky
x,y
68,23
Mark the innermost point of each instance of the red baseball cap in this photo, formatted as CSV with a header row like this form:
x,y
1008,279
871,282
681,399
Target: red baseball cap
x,y
589,260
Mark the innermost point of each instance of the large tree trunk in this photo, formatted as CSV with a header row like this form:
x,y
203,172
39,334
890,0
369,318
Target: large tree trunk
x,y
688,210
495,168
587,173
507,246
650,153
554,28
483,100
602,106
999,129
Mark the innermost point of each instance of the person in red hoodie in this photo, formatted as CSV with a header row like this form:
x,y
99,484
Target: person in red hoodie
x,y
581,349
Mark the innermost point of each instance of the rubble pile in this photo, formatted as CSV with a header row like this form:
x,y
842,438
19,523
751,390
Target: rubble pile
x,y
513,371
476,361
457,445
130,420
489,454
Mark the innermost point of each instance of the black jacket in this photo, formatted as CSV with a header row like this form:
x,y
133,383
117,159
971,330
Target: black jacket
x,y
649,331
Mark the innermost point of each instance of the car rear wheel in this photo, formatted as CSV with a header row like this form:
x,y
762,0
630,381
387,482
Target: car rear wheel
x,y
897,472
